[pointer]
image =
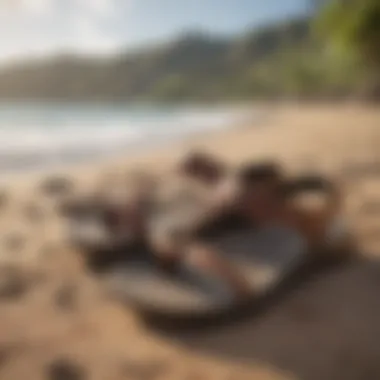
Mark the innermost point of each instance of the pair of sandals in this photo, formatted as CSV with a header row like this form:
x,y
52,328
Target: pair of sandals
x,y
188,290
191,290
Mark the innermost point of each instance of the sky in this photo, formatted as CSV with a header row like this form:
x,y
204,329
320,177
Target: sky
x,y
33,28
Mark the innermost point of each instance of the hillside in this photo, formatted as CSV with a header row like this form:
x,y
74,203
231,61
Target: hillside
x,y
271,61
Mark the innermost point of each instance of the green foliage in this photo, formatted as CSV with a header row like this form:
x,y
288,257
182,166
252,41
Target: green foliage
x,y
278,60
171,88
354,27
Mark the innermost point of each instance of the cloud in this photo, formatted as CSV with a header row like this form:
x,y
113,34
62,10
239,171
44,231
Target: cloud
x,y
90,38
24,7
102,7
38,7
42,27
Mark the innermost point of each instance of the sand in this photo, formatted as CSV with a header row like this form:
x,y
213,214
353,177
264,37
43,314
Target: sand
x,y
58,315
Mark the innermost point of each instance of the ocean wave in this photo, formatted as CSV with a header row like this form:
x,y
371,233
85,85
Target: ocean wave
x,y
46,135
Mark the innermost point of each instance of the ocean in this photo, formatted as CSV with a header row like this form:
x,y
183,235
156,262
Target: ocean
x,y
36,136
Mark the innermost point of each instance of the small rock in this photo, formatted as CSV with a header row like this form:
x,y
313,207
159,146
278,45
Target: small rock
x,y
63,369
57,186
76,207
13,284
66,297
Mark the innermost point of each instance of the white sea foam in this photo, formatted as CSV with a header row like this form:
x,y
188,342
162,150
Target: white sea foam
x,y
35,136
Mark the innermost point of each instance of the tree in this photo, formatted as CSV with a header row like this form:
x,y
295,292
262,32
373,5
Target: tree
x,y
353,26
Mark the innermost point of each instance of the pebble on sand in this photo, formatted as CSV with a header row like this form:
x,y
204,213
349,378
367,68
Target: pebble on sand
x,y
65,298
13,283
64,369
57,186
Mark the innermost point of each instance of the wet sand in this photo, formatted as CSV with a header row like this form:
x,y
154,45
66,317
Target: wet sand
x,y
55,319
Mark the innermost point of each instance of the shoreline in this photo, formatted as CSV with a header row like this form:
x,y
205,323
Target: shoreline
x,y
139,152
288,133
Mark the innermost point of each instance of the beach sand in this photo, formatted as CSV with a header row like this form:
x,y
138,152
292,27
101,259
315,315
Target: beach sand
x,y
56,322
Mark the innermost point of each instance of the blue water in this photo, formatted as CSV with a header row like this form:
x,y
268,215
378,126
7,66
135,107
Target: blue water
x,y
36,135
